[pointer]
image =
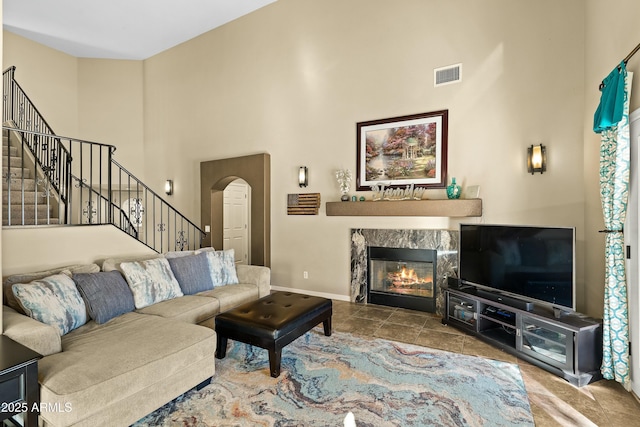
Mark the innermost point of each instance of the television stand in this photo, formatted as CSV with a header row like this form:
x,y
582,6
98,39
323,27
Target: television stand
x,y
504,299
569,346
558,312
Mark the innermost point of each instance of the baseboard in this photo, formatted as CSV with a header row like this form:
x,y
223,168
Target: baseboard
x,y
312,293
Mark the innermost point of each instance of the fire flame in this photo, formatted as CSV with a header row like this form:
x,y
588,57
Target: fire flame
x,y
408,274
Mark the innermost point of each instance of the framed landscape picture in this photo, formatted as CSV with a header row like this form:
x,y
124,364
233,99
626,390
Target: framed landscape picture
x,y
401,151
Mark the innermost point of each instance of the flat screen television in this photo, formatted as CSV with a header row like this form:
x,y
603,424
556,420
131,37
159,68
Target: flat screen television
x,y
533,264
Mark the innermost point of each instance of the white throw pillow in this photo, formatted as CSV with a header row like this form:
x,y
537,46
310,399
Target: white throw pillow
x,y
222,266
151,281
53,300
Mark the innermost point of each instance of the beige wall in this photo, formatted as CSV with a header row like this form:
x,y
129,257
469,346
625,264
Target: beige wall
x,y
612,32
37,249
92,99
50,79
292,79
110,97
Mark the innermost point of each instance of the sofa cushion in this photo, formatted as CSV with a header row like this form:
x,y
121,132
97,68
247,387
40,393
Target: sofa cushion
x,y
54,300
102,365
151,281
222,266
9,298
45,339
106,294
189,308
192,273
231,296
257,275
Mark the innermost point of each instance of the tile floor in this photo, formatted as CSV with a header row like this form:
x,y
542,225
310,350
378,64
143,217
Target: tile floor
x,y
554,402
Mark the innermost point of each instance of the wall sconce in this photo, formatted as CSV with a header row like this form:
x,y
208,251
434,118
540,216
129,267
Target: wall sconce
x,y
168,187
536,159
303,176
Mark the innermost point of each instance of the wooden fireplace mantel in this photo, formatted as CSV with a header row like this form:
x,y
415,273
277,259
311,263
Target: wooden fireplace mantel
x,y
441,208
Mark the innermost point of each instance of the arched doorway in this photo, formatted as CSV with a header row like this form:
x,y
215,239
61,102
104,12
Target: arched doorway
x,y
215,175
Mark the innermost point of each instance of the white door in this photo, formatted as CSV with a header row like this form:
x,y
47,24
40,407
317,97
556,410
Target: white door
x,y
633,250
236,220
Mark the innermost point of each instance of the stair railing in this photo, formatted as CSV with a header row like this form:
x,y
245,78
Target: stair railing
x,y
81,182
102,191
51,158
44,184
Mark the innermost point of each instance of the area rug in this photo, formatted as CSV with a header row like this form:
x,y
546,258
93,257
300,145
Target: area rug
x,y
383,383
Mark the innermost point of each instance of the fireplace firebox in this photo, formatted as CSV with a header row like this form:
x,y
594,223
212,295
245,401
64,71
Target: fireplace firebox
x,y
402,277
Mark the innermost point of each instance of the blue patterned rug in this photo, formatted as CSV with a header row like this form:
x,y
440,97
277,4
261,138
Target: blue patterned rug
x,y
383,383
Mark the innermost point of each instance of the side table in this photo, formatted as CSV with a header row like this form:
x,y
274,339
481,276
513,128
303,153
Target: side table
x,y
19,390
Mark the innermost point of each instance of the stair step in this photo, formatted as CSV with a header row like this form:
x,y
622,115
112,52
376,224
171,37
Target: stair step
x,y
30,198
15,161
30,211
12,150
16,184
31,221
17,172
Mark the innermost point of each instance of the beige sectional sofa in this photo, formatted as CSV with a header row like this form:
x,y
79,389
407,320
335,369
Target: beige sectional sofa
x,y
114,373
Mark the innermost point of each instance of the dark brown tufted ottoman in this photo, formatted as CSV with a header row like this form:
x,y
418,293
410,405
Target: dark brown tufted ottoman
x,y
272,322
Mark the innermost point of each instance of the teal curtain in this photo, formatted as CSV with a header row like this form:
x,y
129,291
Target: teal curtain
x,y
614,189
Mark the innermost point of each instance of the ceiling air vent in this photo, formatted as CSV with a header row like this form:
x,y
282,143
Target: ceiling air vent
x,y
447,75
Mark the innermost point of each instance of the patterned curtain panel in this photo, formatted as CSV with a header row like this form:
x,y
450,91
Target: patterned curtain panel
x,y
614,189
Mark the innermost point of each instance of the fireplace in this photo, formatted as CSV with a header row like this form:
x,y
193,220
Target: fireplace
x,y
443,241
402,277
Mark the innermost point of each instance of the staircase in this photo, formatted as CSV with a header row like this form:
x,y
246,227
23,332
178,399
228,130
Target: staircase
x,y
23,205
50,179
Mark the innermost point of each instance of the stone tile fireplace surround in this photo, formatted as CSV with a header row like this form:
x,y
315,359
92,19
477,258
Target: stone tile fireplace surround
x,y
445,242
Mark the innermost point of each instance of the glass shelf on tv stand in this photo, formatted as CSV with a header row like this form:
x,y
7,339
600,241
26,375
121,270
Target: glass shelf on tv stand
x,y
545,341
464,311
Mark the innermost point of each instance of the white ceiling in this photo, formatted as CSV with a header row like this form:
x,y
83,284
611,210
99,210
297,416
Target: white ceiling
x,y
119,29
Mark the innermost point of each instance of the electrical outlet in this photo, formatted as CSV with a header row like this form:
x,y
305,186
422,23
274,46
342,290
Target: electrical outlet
x,y
305,274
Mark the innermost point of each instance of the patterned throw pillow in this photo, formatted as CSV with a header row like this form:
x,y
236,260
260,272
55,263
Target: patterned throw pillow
x,y
151,281
222,266
192,273
106,294
54,300
10,299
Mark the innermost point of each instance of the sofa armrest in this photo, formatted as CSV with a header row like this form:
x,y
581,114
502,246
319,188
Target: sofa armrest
x,y
256,275
37,336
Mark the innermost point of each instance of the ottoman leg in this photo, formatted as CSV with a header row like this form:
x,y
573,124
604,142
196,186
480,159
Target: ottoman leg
x,y
327,326
274,362
221,348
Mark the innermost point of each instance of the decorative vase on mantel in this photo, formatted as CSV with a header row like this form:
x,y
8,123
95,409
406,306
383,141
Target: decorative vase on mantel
x,y
453,190
343,176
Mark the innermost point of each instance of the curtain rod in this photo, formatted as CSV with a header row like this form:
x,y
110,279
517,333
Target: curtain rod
x,y
625,60
633,52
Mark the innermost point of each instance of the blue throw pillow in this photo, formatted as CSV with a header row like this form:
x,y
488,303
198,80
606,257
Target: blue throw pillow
x,y
106,294
192,273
